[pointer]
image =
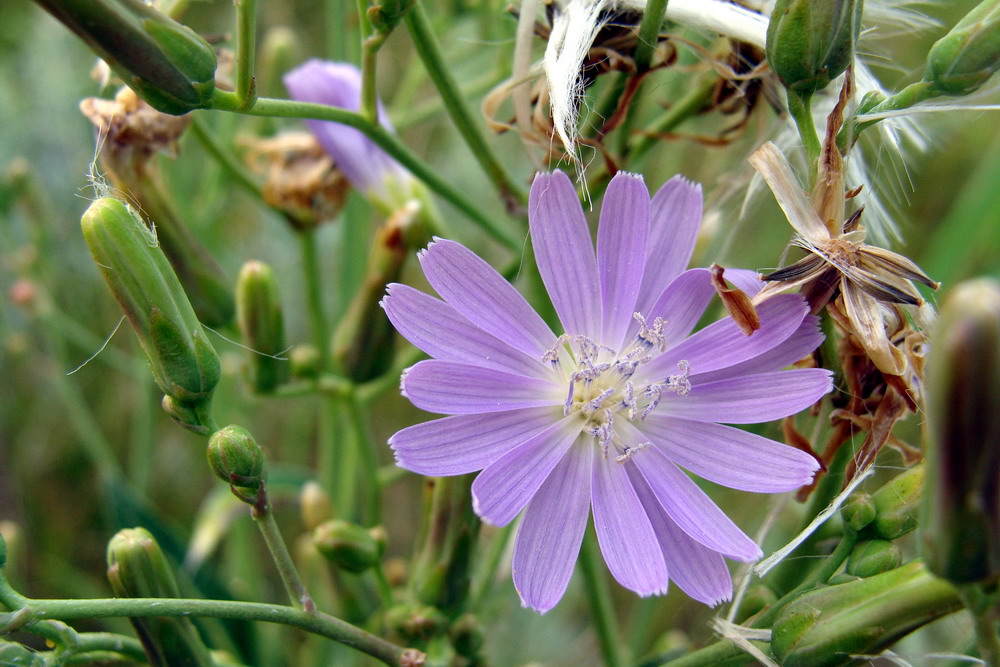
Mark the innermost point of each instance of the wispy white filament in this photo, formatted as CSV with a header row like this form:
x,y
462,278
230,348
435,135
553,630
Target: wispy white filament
x,y
763,567
740,636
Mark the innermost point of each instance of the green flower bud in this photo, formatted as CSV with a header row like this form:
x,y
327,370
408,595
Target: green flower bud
x,y
758,595
305,360
858,511
164,62
258,315
961,510
348,545
963,60
236,458
137,568
466,635
897,502
386,15
824,626
811,42
16,655
183,361
416,624
873,557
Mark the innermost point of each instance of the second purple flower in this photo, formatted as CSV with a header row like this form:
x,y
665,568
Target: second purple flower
x,y
606,417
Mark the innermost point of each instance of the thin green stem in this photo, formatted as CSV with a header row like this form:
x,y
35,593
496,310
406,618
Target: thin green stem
x,y
369,59
71,643
600,601
483,583
800,109
297,593
246,46
382,586
985,616
426,44
694,101
275,108
226,159
345,458
313,278
371,511
318,623
649,30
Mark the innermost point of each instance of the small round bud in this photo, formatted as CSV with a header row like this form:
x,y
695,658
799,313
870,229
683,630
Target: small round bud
x,y
873,557
236,458
466,635
858,512
305,361
315,505
416,624
348,545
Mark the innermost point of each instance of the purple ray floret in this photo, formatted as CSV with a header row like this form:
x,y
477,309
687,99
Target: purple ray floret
x,y
366,166
609,418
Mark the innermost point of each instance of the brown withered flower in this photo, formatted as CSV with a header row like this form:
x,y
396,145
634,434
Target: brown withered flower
x,y
873,282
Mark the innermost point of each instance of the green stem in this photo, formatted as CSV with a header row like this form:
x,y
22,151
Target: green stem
x,y
489,565
246,45
318,623
800,109
694,101
985,616
371,512
649,30
264,518
904,99
71,643
425,41
382,586
313,279
344,455
369,59
226,159
600,600
275,108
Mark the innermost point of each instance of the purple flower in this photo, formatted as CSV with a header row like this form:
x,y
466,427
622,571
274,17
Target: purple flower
x,y
606,417
366,166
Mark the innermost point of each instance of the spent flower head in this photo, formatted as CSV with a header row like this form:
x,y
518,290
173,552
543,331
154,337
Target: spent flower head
x,y
605,417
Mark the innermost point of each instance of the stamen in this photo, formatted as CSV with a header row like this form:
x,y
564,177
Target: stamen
x,y
629,452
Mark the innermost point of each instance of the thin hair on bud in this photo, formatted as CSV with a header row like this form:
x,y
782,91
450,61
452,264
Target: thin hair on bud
x,y
278,356
101,348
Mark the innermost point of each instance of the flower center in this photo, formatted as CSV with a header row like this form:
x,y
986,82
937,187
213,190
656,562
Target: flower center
x,y
600,386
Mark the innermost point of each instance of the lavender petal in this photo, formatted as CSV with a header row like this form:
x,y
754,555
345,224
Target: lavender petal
x,y
692,510
805,339
364,164
751,399
565,254
440,331
481,295
722,344
729,456
467,443
623,530
505,487
551,531
621,252
451,388
696,569
675,216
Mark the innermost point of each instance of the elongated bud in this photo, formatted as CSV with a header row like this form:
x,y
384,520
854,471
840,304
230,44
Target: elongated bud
x,y
166,63
961,509
305,361
865,616
364,340
348,545
315,505
963,60
137,568
811,42
236,458
873,557
184,363
897,503
258,315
